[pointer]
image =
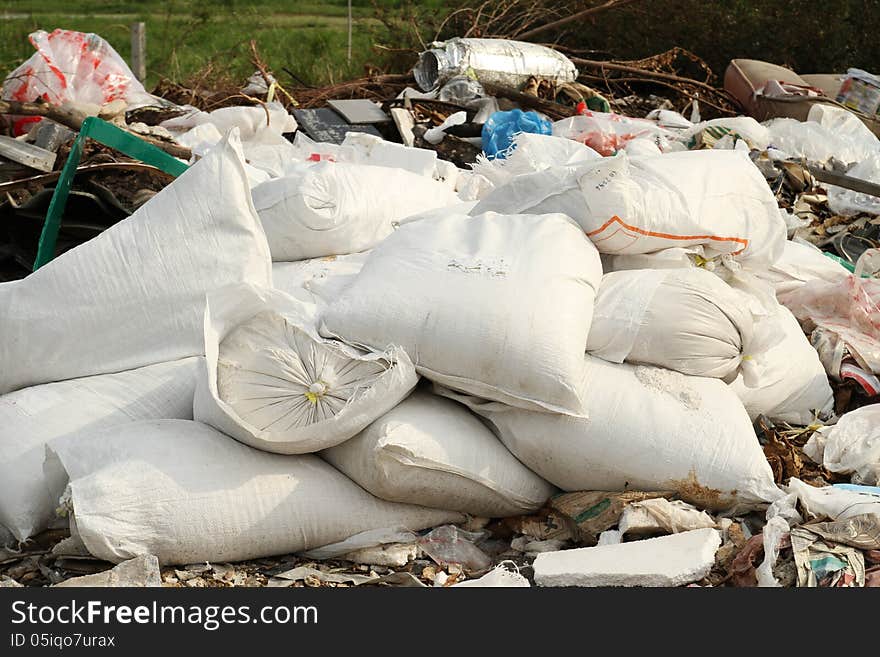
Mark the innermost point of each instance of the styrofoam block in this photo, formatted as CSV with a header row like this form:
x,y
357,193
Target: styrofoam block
x,y
665,561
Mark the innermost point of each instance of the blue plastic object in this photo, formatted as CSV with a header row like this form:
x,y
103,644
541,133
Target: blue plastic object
x,y
502,127
855,488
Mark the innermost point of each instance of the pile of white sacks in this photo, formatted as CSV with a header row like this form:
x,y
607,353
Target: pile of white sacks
x,y
395,356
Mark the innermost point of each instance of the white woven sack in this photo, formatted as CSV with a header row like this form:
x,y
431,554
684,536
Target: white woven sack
x,y
31,417
334,208
434,452
273,383
497,306
648,429
188,494
135,295
687,320
713,198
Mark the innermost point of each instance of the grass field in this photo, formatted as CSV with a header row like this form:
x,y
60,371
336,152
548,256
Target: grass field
x,y
185,37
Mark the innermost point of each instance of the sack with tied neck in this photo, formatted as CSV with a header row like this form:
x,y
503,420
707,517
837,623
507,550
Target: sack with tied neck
x,y
273,383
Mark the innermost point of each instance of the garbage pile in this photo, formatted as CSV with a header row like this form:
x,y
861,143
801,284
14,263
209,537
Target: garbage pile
x,y
441,340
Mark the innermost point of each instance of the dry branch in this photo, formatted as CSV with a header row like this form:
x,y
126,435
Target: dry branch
x,y
611,4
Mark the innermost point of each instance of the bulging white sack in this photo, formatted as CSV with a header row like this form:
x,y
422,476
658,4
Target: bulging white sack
x,y
135,295
788,381
497,306
713,198
648,429
433,452
687,320
334,208
852,446
188,494
318,280
31,417
273,383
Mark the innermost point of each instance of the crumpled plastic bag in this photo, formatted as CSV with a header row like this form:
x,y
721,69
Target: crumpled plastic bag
x,y
608,133
501,128
848,202
74,66
850,308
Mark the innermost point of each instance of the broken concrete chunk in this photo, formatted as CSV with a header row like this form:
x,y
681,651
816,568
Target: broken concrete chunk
x,y
8,583
665,561
394,554
610,537
589,513
660,516
141,571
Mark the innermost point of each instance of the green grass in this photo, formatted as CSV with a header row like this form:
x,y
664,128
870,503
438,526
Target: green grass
x,y
186,36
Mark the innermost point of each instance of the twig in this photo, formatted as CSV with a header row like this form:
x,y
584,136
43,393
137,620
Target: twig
x,y
86,168
611,4
258,62
612,66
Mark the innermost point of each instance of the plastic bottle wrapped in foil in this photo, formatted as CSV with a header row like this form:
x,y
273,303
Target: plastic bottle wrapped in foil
x,y
493,61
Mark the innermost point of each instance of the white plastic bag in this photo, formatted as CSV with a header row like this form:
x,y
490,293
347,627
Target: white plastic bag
x,y
494,305
789,383
31,417
848,308
648,429
188,494
135,295
717,199
337,208
852,445
273,383
74,66
607,133
848,202
533,152
829,133
831,502
433,452
687,320
249,120
756,135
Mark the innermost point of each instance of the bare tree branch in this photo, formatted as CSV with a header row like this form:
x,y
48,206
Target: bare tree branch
x,y
611,4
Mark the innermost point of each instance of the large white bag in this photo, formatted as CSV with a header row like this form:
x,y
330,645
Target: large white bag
x,y
852,446
788,382
648,429
135,294
188,494
31,417
687,320
273,383
334,208
717,199
497,306
434,452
